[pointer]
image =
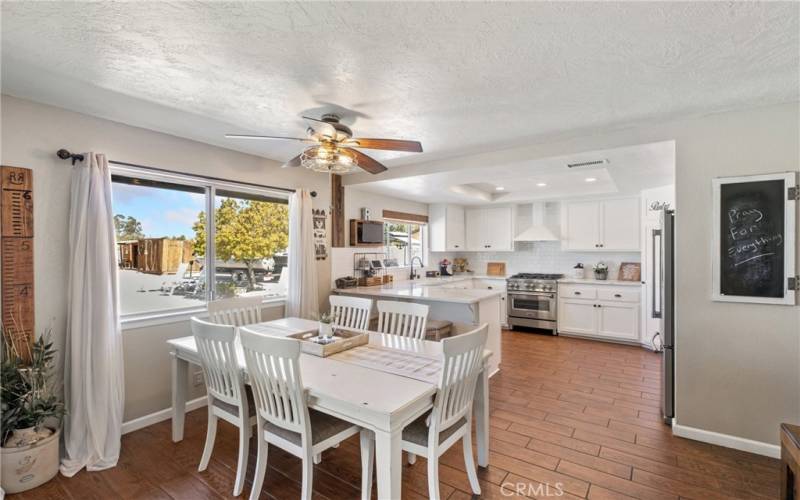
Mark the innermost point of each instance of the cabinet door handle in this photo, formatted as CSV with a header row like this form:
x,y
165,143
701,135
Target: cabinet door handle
x,y
577,293
596,245
617,295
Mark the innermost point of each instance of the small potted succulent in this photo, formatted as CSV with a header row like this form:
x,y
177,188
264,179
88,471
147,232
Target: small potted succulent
x,y
31,413
600,271
325,326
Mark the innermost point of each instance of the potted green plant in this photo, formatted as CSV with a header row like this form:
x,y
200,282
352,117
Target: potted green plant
x,y
31,413
600,271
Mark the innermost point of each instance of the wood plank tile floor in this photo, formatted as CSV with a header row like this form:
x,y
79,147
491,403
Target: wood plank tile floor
x,y
579,416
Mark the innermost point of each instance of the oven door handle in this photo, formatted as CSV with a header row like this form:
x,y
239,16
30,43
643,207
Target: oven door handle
x,y
535,294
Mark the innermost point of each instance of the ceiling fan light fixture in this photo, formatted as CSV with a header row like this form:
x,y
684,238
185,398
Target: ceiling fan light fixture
x,y
328,159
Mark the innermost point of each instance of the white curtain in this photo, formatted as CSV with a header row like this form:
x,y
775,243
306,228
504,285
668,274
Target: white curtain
x,y
302,301
94,383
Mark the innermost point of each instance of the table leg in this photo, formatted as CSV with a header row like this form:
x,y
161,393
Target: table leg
x,y
180,381
389,461
481,408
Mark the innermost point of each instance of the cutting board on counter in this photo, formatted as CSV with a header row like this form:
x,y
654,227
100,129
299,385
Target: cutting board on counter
x,y
496,269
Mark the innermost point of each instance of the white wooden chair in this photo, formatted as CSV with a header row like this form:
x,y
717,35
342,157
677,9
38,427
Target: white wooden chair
x,y
227,397
350,312
283,418
237,311
433,433
406,319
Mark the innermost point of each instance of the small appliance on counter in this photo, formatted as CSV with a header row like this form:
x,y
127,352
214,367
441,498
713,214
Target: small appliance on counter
x,y
443,265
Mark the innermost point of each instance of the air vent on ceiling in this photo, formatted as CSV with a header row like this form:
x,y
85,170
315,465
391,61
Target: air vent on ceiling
x,y
592,163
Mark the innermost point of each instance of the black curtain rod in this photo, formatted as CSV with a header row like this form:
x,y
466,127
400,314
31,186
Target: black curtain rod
x,y
66,155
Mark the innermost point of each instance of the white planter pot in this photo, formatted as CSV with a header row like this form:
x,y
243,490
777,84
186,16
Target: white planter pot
x,y
30,466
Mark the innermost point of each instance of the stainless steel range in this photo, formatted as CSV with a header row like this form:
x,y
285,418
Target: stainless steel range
x,y
532,300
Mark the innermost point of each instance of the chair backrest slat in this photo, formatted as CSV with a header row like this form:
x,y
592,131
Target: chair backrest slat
x,y
351,312
462,358
237,311
406,319
273,365
217,350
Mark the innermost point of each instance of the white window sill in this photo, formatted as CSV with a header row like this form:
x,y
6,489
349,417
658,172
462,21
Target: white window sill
x,y
144,320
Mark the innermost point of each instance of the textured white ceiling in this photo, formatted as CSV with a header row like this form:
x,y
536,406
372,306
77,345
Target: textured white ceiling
x,y
458,77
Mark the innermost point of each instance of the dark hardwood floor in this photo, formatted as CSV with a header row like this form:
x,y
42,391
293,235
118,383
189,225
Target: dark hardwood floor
x,y
578,415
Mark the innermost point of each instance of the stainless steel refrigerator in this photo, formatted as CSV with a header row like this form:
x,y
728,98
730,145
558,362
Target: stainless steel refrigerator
x,y
663,307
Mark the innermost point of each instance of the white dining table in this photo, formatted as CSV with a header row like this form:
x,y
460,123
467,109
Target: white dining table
x,y
382,401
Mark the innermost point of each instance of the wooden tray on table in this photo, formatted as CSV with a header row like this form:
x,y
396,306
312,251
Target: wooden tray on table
x,y
342,340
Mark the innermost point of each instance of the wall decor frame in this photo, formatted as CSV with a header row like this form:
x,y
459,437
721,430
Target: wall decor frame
x,y
754,239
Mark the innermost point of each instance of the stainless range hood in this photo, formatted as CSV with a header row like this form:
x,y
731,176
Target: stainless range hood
x,y
537,231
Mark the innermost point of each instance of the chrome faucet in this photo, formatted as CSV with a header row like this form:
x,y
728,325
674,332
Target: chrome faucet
x,y
417,257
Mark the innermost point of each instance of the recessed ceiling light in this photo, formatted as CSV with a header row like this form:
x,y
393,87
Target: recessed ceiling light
x,y
541,184
500,188
590,179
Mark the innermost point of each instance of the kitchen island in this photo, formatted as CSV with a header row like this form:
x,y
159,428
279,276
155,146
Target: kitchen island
x,y
447,301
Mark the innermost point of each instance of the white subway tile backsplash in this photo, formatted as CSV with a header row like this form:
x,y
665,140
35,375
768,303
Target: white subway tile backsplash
x,y
541,257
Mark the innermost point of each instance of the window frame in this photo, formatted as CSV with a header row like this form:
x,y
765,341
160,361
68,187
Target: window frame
x,y
210,187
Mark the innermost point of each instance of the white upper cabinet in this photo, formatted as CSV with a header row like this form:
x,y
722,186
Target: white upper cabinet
x,y
604,225
446,228
490,229
582,225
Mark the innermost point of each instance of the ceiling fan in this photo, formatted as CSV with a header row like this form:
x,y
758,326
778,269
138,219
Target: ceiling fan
x,y
334,148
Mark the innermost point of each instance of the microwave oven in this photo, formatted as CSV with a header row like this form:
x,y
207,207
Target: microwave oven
x,y
366,233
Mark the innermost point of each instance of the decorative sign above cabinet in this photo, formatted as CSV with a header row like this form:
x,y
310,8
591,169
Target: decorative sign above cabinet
x,y
754,239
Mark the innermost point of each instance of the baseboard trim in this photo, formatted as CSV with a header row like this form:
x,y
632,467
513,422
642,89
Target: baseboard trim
x,y
160,416
726,440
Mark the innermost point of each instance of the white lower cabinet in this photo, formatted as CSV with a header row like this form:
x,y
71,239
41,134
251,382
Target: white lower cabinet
x,y
618,320
576,316
602,311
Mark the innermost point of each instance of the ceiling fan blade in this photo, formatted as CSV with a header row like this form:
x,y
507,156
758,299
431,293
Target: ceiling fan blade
x,y
369,164
247,136
294,162
388,144
322,127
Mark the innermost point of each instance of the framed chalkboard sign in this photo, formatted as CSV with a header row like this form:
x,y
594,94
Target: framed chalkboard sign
x,y
754,239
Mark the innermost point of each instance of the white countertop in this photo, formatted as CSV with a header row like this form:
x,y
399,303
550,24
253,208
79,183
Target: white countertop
x,y
590,281
425,290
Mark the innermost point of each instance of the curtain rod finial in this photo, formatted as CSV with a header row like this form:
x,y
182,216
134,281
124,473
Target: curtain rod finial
x,y
66,155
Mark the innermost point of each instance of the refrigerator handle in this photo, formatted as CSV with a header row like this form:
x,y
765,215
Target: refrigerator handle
x,y
658,268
